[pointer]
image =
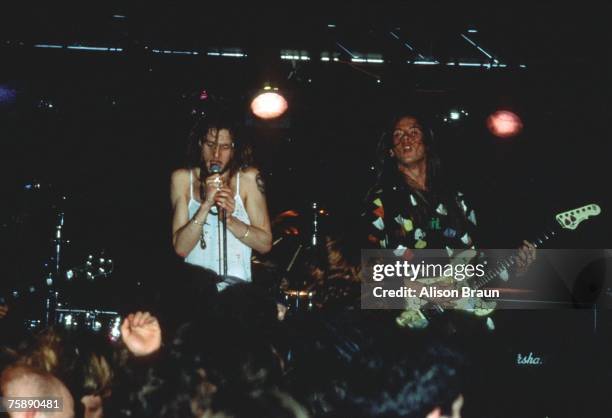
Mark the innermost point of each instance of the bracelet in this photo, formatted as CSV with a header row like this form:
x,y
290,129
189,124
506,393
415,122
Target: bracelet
x,y
246,234
202,238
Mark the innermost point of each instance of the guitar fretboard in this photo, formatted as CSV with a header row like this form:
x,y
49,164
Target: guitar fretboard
x,y
507,263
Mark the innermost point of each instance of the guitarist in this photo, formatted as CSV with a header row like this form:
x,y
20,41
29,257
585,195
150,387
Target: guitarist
x,y
411,204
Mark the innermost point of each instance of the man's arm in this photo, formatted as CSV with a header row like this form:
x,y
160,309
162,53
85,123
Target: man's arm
x,y
185,232
258,234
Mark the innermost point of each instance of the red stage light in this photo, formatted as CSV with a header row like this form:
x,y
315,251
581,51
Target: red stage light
x,y
504,124
269,105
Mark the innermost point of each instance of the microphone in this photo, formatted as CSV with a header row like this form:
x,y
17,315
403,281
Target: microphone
x,y
215,168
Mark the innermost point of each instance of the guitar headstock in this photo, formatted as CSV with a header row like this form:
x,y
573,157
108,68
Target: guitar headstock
x,y
572,218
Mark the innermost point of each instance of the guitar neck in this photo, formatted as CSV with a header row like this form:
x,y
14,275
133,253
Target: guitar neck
x,y
508,262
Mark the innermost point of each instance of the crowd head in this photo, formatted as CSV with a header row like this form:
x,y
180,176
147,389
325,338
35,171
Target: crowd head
x,y
237,360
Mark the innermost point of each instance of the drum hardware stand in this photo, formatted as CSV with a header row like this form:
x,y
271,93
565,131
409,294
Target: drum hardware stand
x,y
221,223
315,224
314,243
51,300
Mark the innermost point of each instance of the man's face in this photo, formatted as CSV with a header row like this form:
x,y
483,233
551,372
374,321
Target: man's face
x,y
217,148
408,147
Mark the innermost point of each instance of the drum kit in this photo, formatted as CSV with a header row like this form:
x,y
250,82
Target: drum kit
x,y
41,281
296,257
55,291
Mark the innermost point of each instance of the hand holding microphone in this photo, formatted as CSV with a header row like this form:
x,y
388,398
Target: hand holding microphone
x,y
212,184
225,204
220,194
216,169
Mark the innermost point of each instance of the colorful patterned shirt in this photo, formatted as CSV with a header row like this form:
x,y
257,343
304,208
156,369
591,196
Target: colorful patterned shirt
x,y
419,220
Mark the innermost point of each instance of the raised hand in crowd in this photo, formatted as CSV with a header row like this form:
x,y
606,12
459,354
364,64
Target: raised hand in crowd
x,y
141,333
3,311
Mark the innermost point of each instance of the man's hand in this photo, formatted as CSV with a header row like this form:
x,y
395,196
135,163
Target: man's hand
x,y
281,311
441,285
141,333
3,311
93,406
446,302
225,199
526,256
212,184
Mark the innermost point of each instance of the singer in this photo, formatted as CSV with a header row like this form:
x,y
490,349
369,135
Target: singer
x,y
219,208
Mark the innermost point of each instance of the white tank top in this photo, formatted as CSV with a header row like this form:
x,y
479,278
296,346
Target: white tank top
x,y
238,254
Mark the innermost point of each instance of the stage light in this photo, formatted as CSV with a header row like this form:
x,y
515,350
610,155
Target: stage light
x,y
8,94
44,104
504,124
48,46
94,48
454,115
425,62
269,104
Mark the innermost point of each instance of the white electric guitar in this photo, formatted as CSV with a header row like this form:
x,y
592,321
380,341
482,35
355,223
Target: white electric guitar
x,y
418,311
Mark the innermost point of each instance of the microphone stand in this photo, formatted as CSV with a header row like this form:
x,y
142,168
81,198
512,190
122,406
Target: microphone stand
x,y
222,240
52,294
224,220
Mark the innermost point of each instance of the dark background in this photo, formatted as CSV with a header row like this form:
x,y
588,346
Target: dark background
x,y
106,129
119,121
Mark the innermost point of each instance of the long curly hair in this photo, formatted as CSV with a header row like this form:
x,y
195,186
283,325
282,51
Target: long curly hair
x,y
390,184
217,117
